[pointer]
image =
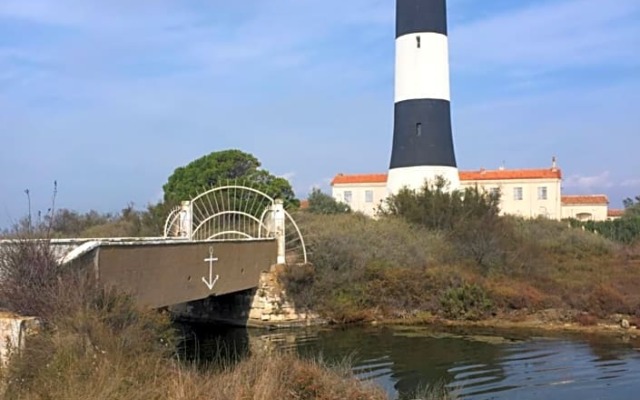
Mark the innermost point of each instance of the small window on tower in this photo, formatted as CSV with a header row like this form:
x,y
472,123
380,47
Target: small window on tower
x,y
418,129
418,41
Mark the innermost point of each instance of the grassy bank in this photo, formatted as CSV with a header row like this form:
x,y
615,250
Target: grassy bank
x,y
96,344
467,265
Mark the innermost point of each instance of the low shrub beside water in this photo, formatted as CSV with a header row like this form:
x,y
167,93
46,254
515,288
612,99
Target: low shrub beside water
x,y
468,301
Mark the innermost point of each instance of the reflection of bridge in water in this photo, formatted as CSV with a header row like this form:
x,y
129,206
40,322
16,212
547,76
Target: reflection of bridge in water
x,y
218,243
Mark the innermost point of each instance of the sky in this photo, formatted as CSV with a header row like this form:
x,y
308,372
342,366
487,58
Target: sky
x,y
109,97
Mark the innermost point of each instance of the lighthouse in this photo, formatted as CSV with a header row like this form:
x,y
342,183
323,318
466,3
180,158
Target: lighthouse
x,y
422,137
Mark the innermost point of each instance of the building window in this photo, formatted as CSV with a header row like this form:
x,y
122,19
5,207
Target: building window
x,y
368,196
494,191
542,193
347,196
517,193
418,129
418,41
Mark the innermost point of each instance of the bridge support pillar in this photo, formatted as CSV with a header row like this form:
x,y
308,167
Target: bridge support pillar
x,y
186,219
279,225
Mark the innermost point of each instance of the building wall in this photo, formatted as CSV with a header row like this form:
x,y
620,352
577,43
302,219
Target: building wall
x,y
531,204
362,197
528,198
585,212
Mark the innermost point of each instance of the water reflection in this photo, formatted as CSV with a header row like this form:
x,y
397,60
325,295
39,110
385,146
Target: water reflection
x,y
213,346
478,367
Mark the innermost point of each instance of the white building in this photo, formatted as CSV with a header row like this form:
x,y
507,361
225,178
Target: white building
x,y
362,193
585,208
528,193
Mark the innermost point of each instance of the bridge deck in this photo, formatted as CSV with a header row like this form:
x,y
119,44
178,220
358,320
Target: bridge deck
x,y
161,272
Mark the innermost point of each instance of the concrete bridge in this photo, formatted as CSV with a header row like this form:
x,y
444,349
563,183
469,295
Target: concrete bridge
x,y
162,272
216,244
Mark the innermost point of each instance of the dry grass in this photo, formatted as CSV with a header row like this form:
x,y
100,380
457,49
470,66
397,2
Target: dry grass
x,y
276,376
79,374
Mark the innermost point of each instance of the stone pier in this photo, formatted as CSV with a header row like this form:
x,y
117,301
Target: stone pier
x,y
14,330
265,306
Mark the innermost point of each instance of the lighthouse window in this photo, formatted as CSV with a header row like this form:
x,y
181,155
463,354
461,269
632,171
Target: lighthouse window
x,y
418,41
418,129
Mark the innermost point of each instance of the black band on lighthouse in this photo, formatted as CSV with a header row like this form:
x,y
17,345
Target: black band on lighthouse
x,y
414,16
422,134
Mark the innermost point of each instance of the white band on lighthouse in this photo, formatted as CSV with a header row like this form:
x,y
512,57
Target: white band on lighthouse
x,y
414,178
422,67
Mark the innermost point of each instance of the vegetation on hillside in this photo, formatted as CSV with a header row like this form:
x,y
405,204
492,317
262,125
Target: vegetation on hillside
x,y
451,255
623,230
322,203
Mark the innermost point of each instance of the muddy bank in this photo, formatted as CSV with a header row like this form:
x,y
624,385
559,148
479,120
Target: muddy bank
x,y
543,323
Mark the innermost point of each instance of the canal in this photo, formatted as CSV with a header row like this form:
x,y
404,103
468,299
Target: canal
x,y
473,366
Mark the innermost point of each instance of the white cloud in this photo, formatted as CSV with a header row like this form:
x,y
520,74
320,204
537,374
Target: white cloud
x,y
631,183
587,183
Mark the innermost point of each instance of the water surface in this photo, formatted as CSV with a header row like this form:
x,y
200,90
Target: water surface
x,y
404,359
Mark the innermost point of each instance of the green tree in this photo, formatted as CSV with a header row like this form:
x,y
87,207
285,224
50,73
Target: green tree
x,y
322,203
223,167
632,207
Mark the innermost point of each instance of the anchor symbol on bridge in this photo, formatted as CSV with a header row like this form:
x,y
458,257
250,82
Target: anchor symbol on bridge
x,y
211,282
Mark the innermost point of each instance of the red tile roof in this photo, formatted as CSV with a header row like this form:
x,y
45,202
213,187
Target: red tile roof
x,y
502,174
304,204
615,213
359,178
480,175
587,199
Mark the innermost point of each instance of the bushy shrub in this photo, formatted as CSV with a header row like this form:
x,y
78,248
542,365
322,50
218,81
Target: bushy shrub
x,y
605,300
352,253
467,301
399,291
515,295
321,203
435,207
29,274
625,230
353,241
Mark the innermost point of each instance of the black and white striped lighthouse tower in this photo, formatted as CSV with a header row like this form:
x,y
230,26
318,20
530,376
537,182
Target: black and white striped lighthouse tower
x,y
422,137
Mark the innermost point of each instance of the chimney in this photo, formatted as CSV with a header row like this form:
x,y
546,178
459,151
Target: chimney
x,y
554,165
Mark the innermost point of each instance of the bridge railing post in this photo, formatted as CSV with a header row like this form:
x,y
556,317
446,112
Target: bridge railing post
x,y
186,220
279,219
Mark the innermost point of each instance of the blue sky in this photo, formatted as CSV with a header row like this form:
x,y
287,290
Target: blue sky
x,y
109,97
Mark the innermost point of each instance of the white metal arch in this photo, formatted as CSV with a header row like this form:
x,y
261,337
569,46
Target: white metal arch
x,y
245,235
237,187
172,223
222,213
237,212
